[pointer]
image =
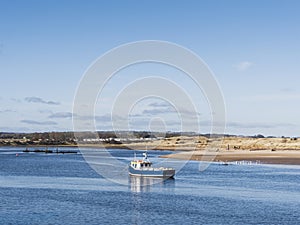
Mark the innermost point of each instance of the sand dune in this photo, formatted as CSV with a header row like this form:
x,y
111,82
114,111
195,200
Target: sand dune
x,y
228,149
220,144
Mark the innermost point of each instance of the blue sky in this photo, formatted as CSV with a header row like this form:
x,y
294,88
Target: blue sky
x,y
252,47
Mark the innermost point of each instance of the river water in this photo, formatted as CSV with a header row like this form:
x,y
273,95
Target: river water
x,y
39,188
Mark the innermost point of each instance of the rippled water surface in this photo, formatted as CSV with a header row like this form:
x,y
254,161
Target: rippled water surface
x,y
39,188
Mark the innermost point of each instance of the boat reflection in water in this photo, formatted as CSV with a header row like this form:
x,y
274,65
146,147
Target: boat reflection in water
x,y
138,186
146,184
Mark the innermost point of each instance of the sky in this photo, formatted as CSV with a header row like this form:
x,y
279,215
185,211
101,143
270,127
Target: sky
x,y
251,47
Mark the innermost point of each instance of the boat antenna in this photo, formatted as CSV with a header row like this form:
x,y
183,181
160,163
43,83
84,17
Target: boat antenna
x,y
145,154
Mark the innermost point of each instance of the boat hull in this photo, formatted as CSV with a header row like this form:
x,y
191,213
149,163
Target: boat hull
x,y
166,173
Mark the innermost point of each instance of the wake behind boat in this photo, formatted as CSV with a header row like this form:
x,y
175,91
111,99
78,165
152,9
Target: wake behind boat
x,y
144,168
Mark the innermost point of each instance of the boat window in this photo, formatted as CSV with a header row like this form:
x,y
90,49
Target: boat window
x,y
141,164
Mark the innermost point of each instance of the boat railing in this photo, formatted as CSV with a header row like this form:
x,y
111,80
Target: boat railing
x,y
156,169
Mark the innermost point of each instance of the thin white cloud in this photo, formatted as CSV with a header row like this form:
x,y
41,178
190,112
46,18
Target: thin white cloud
x,y
272,97
7,111
99,118
61,115
40,100
243,66
16,100
258,125
45,111
245,125
159,104
34,122
157,111
15,129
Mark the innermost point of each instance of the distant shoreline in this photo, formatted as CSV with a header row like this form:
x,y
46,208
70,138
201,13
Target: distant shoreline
x,y
229,149
285,157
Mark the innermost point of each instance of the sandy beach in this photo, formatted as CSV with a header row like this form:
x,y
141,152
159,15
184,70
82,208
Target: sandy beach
x,y
264,156
229,149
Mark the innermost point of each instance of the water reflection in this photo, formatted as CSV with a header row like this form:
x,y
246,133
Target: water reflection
x,y
139,185
147,184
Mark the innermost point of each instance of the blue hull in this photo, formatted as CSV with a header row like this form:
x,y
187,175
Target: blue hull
x,y
151,173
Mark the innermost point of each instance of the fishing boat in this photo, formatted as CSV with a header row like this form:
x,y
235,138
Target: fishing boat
x,y
144,168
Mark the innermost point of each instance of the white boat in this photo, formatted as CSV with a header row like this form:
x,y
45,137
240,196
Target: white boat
x,y
144,168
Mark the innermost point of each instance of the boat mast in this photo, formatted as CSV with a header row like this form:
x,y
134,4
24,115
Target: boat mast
x,y
145,154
